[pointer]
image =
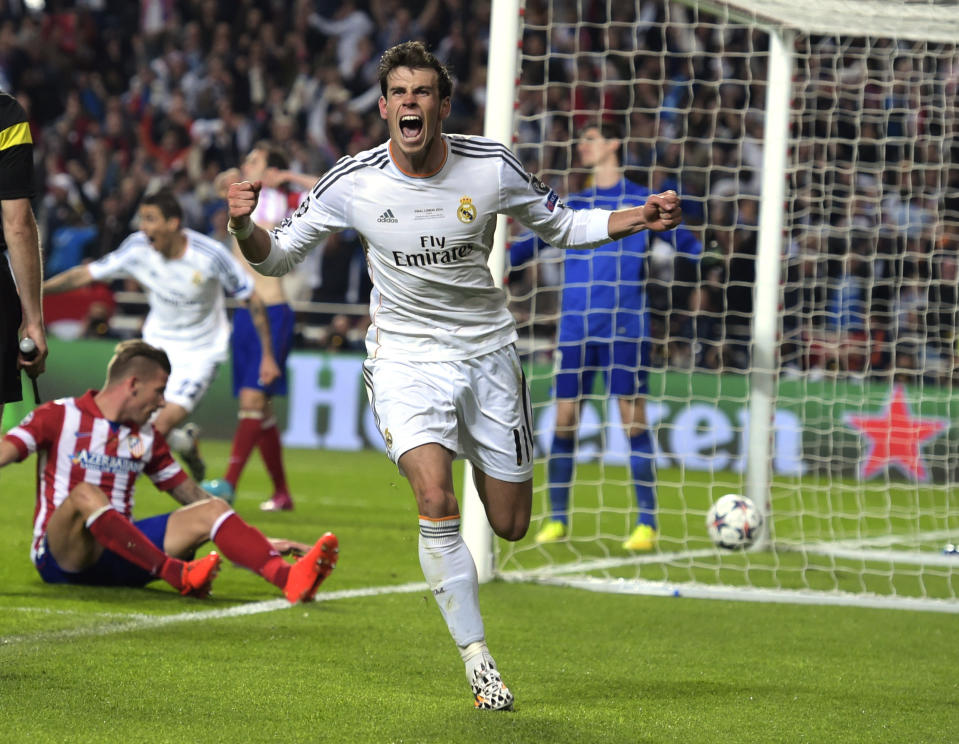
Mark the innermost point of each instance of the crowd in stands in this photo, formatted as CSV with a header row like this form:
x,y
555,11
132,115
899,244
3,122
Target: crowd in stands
x,y
872,219
125,96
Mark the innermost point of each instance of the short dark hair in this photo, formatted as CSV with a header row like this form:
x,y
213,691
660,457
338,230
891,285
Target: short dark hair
x,y
608,129
275,157
165,200
413,54
135,357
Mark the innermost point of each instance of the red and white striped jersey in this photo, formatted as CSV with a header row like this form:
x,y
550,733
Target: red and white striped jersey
x,y
75,443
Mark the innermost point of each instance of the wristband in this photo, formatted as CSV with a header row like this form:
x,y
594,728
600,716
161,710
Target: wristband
x,y
244,232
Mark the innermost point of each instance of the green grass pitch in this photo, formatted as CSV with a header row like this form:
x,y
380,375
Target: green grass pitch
x,y
367,664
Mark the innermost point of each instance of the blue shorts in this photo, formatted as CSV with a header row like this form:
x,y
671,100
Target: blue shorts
x,y
247,352
626,376
110,569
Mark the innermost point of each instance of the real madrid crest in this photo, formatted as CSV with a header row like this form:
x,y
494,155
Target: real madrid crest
x,y
389,439
466,211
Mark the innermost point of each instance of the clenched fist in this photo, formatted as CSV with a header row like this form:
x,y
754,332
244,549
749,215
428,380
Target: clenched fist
x,y
663,211
241,199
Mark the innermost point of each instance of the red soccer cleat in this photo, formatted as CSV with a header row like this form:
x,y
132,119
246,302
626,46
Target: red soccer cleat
x,y
198,576
308,573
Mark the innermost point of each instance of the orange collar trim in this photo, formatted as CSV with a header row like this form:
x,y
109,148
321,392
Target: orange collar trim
x,y
446,153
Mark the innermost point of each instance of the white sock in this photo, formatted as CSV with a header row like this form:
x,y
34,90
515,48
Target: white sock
x,y
451,574
473,650
474,656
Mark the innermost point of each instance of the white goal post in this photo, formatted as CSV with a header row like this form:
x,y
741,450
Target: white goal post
x,y
498,124
816,147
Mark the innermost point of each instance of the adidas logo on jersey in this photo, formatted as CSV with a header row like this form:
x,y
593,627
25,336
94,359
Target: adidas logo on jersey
x,y
387,216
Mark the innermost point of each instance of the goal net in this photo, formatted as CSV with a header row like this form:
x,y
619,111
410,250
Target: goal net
x,y
857,455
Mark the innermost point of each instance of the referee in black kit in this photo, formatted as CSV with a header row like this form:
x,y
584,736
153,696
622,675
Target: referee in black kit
x,y
21,272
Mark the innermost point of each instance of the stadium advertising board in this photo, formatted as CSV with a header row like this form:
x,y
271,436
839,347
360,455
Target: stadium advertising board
x,y
855,430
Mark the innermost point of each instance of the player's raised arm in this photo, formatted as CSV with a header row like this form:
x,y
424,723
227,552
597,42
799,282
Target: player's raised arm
x,y
660,212
275,178
78,276
253,240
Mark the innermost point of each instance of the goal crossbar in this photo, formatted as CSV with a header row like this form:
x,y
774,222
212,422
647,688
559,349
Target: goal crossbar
x,y
879,18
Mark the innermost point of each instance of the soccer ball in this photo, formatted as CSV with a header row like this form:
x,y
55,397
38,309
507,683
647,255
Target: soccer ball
x,y
734,522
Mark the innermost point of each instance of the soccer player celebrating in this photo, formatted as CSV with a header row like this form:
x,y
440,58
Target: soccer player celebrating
x,y
443,374
21,311
257,420
604,325
185,275
91,449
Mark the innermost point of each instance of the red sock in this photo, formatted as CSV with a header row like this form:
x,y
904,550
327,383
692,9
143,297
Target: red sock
x,y
272,451
118,534
247,434
246,546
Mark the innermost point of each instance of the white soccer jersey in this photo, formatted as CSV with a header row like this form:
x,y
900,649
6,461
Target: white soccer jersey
x,y
428,240
187,311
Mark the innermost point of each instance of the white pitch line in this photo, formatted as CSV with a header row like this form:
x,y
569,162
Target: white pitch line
x,y
139,621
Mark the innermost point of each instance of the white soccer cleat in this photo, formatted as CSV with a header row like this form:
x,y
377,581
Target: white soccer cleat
x,y
185,442
489,692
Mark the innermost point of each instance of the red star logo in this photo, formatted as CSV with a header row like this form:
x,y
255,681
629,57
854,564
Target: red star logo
x,y
895,437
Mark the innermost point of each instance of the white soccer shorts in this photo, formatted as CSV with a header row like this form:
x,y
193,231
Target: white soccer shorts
x,y
477,408
191,376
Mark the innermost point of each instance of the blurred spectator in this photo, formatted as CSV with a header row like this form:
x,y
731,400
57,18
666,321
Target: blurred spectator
x,y
341,335
350,26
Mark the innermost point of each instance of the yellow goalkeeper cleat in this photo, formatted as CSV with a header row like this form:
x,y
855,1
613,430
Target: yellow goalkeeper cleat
x,y
643,539
552,531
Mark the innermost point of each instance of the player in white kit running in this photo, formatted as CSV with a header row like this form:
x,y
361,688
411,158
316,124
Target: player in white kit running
x,y
185,275
443,375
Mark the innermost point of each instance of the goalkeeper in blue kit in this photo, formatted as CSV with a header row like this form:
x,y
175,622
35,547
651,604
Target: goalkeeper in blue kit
x,y
604,326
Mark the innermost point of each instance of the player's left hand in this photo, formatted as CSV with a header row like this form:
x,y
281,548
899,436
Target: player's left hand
x,y
288,547
269,370
663,211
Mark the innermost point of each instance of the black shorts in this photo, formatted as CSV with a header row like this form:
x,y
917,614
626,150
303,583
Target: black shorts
x,y
11,315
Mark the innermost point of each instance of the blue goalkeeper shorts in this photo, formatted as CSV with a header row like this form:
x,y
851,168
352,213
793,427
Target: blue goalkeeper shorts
x,y
110,569
623,364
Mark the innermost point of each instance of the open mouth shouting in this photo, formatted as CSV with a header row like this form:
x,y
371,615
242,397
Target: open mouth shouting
x,y
411,127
